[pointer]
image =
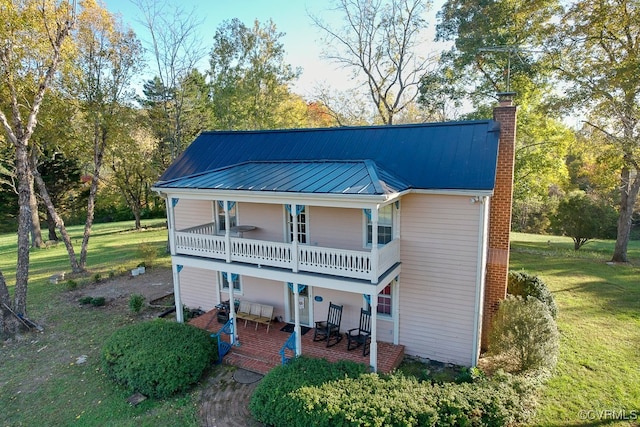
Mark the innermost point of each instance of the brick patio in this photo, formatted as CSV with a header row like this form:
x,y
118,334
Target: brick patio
x,y
259,351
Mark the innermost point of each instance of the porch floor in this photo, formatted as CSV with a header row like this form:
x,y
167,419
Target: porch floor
x,y
259,351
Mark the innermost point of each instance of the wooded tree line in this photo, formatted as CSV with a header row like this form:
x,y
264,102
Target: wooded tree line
x,y
82,143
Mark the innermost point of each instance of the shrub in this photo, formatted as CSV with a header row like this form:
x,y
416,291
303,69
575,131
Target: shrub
x,y
524,331
271,402
72,284
136,301
524,284
85,300
97,277
97,301
157,358
316,392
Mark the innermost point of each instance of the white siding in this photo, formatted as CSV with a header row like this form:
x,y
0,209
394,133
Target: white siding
x,y
189,213
439,252
198,288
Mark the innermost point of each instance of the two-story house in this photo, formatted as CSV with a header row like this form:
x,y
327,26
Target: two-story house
x,y
410,221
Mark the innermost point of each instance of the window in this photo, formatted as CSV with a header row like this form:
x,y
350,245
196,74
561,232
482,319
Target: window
x,y
303,226
233,217
235,278
385,225
384,301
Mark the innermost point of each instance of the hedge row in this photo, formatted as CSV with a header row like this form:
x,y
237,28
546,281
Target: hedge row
x,y
316,392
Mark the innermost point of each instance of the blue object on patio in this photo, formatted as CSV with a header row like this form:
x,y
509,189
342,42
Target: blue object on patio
x,y
223,346
289,344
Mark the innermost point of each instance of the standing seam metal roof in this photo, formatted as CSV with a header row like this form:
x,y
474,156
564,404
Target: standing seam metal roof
x,y
345,177
451,155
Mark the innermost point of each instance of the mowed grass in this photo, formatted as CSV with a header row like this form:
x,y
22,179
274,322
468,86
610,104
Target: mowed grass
x,y
41,383
597,379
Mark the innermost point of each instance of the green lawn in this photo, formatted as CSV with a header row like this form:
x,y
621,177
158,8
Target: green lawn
x,y
597,379
40,382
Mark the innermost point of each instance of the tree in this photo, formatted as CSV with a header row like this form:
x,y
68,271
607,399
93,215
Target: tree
x,y
249,77
177,49
597,53
379,42
108,56
131,172
583,218
497,48
32,42
496,43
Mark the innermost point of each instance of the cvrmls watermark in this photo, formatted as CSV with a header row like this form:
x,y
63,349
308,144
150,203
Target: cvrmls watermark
x,y
609,414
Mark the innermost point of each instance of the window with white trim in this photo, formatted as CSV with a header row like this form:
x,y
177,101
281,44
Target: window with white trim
x,y
303,225
235,279
384,306
220,215
385,225
385,301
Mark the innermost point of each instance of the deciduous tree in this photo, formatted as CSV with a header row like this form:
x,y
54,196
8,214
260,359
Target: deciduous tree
x,y
597,53
249,77
380,41
32,38
108,56
177,49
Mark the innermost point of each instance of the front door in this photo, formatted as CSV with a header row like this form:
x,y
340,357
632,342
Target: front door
x,y
303,304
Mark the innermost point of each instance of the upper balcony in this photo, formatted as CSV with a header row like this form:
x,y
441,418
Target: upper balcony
x,y
366,264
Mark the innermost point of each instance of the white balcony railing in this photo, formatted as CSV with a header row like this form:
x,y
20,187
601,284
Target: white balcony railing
x,y
315,259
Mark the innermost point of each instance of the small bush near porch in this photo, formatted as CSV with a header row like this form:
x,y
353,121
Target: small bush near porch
x,y
316,392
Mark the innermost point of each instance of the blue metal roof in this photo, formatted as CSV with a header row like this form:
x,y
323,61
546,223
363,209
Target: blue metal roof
x,y
320,177
451,155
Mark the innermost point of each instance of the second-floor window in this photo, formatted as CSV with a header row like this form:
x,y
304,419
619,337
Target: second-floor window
x,y
385,225
303,226
220,214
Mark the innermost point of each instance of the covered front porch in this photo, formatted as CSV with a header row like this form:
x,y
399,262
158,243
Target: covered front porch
x,y
259,350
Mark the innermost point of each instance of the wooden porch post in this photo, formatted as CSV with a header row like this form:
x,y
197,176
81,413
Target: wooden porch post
x,y
171,223
296,302
373,349
232,305
176,292
395,309
374,245
227,232
294,239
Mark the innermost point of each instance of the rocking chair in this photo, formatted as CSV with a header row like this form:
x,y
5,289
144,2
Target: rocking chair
x,y
361,336
329,330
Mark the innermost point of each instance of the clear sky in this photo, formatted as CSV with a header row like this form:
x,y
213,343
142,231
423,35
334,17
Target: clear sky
x,y
301,40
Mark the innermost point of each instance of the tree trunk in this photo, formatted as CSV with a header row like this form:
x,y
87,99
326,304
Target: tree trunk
x,y
100,142
24,227
52,227
628,197
36,231
9,325
58,221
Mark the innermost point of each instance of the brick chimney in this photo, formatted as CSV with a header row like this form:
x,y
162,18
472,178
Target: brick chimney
x,y
500,213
